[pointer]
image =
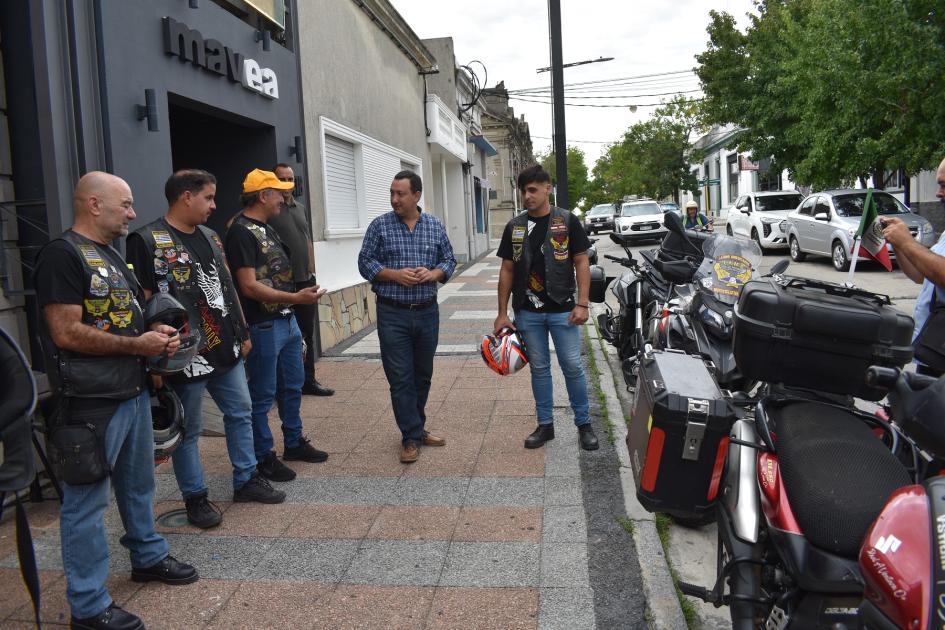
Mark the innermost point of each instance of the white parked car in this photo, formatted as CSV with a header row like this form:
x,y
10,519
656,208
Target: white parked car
x,y
640,221
762,217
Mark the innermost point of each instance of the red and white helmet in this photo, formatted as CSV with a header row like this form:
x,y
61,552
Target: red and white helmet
x,y
504,353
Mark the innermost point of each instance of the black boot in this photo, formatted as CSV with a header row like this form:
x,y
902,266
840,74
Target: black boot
x,y
587,437
112,618
539,436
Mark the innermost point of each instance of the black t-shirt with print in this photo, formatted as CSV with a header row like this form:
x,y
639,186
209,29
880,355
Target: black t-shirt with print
x,y
216,321
60,279
243,250
537,235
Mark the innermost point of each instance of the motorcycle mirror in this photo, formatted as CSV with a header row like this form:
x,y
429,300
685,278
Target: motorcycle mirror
x,y
673,223
779,268
616,238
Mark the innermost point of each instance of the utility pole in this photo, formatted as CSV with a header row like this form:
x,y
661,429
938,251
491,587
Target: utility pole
x,y
557,92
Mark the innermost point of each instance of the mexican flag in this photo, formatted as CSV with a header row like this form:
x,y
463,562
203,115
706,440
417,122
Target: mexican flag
x,y
870,234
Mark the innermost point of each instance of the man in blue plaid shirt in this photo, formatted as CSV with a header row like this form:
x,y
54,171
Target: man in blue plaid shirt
x,y
404,255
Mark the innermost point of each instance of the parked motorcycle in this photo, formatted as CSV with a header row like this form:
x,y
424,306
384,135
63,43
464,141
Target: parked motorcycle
x,y
700,318
806,474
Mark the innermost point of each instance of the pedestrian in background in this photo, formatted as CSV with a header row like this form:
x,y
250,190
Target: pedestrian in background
x,y
179,255
291,224
543,252
260,264
95,341
404,255
925,267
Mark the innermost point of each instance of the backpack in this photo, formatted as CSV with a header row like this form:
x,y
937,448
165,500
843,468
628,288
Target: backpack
x,y
17,468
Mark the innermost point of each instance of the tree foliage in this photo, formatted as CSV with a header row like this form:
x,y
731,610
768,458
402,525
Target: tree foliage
x,y
577,172
652,159
832,90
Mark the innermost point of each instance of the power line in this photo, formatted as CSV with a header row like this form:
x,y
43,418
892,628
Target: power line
x,y
624,105
605,81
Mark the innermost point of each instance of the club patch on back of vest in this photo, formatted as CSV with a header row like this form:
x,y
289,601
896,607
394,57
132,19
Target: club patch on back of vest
x,y
98,286
162,238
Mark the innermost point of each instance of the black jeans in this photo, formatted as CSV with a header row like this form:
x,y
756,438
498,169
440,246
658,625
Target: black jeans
x,y
305,316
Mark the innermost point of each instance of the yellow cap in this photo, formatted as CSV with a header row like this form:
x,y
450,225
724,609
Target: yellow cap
x,y
258,180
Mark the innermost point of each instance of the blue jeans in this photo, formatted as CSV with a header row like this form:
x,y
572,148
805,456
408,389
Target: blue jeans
x,y
129,447
231,394
274,366
535,328
408,344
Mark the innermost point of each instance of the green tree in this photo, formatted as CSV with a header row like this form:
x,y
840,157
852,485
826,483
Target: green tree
x,y
577,172
832,90
653,157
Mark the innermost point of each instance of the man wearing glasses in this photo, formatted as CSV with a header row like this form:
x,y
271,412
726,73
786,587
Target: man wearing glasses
x,y
292,227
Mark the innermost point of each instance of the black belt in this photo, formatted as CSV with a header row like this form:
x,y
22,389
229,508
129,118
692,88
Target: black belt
x,y
411,307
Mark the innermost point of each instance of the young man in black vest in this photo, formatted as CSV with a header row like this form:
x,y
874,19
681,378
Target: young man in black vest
x,y
95,342
260,263
542,251
177,254
291,224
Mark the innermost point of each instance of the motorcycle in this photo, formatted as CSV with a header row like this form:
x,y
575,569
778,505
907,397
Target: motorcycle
x,y
902,558
699,319
640,287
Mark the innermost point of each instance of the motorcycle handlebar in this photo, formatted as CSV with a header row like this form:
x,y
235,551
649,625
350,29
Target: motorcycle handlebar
x,y
889,378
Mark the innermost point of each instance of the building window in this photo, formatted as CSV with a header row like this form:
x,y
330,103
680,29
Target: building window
x,y
894,180
732,177
357,172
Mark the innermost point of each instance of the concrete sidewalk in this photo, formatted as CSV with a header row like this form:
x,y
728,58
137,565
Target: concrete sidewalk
x,y
478,534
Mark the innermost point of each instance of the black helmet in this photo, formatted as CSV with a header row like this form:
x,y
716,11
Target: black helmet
x,y
163,308
167,419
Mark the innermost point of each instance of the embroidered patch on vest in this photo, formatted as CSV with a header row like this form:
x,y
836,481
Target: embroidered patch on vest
x,y
121,298
181,274
162,238
98,287
122,319
97,307
91,255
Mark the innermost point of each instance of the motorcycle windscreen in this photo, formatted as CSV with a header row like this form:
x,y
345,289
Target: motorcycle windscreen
x,y
728,265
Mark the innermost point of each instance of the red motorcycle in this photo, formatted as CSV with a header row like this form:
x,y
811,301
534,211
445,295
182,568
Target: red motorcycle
x,y
902,559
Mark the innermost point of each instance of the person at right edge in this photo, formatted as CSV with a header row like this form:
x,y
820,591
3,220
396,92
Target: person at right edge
x,y
542,251
291,224
259,262
95,343
925,267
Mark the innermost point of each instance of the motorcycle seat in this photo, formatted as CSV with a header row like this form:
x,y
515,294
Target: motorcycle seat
x,y
836,472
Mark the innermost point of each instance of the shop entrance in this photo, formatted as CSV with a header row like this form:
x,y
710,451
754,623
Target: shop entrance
x,y
227,145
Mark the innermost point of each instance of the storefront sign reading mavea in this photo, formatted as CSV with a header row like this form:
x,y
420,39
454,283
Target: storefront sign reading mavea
x,y
190,45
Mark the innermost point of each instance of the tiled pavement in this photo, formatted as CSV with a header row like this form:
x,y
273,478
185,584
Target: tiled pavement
x,y
478,534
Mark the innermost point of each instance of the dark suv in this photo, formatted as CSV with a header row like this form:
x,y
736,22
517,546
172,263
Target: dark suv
x,y
600,218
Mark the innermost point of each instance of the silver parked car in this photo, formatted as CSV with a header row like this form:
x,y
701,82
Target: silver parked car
x,y
825,223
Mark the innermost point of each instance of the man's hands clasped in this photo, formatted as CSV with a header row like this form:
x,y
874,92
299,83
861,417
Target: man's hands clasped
x,y
412,276
161,339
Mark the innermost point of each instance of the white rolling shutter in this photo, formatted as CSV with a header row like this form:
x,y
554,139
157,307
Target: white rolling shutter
x,y
379,169
341,185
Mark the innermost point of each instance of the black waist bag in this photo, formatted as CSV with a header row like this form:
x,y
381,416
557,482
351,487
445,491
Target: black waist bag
x,y
929,346
76,448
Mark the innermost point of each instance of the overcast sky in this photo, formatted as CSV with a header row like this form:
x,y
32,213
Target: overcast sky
x,y
511,38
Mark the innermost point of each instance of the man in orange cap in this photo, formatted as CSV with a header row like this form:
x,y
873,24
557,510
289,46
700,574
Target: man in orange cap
x,y
260,264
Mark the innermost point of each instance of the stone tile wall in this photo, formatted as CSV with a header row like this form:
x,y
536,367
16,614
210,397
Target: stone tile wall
x,y
344,313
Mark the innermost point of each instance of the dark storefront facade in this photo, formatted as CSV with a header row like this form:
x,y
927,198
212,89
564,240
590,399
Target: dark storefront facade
x,y
139,88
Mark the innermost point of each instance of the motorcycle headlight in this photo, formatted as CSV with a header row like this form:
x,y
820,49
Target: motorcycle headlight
x,y
712,320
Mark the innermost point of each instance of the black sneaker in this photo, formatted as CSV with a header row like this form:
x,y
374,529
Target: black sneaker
x,y
274,470
587,437
257,490
304,452
201,513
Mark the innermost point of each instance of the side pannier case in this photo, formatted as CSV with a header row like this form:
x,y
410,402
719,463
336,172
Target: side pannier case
x,y
678,436
818,335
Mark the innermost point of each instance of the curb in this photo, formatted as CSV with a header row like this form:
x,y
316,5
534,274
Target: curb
x,y
662,604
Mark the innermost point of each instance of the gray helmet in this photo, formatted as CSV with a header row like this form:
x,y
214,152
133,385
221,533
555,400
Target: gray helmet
x,y
163,308
168,422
